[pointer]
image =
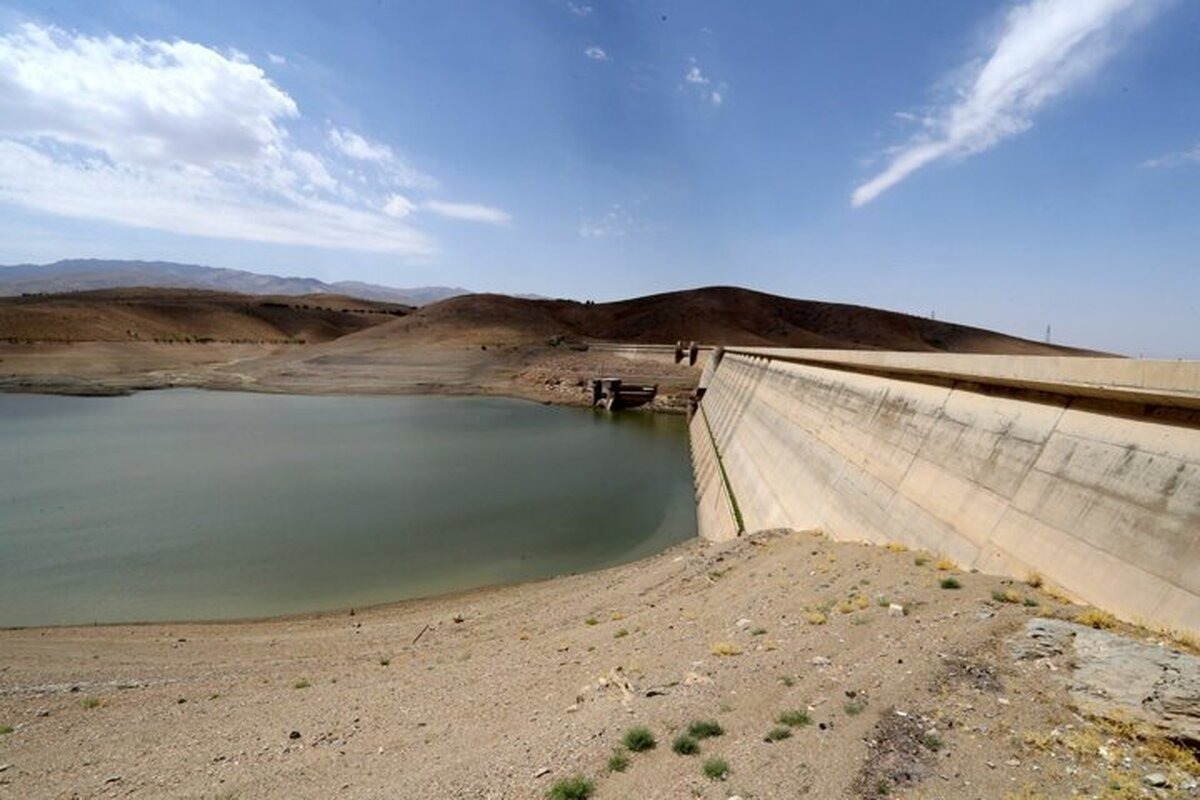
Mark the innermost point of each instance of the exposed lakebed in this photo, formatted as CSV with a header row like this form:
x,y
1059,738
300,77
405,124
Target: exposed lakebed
x,y
201,505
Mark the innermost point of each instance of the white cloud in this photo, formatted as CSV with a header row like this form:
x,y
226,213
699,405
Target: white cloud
x,y
138,101
1176,159
180,137
190,200
276,59
579,10
716,98
614,223
351,144
694,75
596,53
470,212
399,206
1044,48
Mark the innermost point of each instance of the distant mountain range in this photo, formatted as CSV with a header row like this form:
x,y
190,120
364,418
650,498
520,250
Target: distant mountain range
x,y
83,274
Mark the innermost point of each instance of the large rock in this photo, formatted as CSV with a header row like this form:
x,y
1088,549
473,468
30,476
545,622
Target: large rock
x,y
1115,676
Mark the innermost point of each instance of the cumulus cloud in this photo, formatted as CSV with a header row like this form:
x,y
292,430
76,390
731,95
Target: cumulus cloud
x,y
694,75
596,53
180,137
1044,48
1176,159
470,212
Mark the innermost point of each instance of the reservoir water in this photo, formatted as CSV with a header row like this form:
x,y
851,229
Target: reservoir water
x,y
203,505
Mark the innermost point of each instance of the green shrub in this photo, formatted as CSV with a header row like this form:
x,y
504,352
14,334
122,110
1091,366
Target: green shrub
x,y
793,719
778,733
575,788
685,745
639,739
618,761
5,730
705,729
716,768
949,583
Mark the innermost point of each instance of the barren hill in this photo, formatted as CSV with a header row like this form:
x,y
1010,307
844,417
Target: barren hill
x,y
187,315
712,315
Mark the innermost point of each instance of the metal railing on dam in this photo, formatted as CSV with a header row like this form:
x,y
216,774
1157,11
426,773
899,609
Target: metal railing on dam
x,y
1085,471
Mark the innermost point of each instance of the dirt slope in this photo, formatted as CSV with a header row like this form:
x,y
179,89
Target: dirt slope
x,y
713,315
147,314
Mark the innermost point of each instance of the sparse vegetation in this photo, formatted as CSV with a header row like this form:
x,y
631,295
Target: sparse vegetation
x,y
1005,596
758,632
778,733
591,621
921,559
794,719
301,684
576,788
949,583
815,618
639,739
383,662
726,649
932,742
855,706
705,729
5,730
1034,580
897,547
685,745
1095,618
93,702
618,761
944,564
620,634
716,768
787,680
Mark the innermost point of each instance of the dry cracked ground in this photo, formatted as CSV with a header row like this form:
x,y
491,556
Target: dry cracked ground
x,y
816,669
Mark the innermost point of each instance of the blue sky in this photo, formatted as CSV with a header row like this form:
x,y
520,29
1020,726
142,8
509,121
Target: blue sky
x,y
1009,165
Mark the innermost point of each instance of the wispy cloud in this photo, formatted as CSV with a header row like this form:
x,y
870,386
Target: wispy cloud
x,y
471,212
1176,159
596,53
579,9
696,77
276,59
1044,48
180,137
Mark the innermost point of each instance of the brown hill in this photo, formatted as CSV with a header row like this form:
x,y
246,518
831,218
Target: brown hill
x,y
152,314
713,315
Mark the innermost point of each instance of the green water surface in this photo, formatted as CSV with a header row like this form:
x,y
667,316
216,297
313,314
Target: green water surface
x,y
202,505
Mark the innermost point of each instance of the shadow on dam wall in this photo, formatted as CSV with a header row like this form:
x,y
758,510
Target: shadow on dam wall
x,y
1085,471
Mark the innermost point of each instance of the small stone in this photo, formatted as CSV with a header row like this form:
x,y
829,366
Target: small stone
x,y
742,623
819,661
895,610
458,618
43,712
1013,762
541,772
5,767
112,779
1156,779
294,735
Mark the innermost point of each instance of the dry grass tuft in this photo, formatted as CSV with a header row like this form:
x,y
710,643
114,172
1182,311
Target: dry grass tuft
x,y
1095,618
725,649
815,618
897,547
944,564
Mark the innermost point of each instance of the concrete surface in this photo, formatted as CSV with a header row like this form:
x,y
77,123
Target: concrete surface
x,y
1085,471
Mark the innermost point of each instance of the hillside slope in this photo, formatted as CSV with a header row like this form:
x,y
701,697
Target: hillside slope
x,y
186,315
712,315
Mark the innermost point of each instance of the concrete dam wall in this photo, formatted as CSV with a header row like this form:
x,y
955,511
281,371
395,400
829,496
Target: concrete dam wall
x,y
1085,471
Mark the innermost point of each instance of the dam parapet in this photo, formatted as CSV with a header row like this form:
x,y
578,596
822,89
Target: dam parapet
x,y
1083,471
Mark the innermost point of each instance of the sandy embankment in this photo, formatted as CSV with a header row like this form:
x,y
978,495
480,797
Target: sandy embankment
x,y
499,693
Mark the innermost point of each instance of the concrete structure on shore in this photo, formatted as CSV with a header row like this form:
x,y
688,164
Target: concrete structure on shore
x,y
1085,471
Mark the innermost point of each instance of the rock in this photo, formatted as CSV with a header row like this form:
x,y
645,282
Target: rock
x,y
742,623
895,610
819,661
1156,779
294,735
541,772
458,618
1116,676
43,712
112,779
5,767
